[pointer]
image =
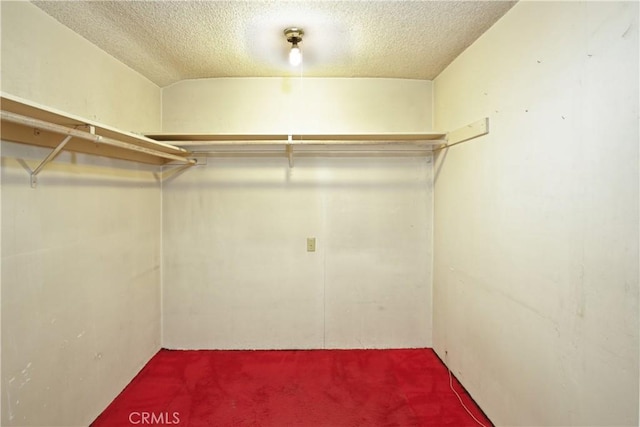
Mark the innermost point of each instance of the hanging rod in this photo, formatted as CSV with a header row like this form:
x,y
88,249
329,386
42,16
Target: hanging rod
x,y
303,142
76,133
429,139
291,155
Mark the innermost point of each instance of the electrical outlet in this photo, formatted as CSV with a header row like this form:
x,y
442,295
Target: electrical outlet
x,y
311,244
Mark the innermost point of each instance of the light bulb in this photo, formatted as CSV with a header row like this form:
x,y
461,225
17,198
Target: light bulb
x,y
295,55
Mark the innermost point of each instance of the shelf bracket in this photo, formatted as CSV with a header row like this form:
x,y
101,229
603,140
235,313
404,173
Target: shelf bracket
x,y
176,170
87,128
289,149
51,156
290,154
466,133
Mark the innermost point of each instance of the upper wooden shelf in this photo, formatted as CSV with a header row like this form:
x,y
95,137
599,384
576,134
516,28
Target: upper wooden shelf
x,y
30,123
321,144
385,141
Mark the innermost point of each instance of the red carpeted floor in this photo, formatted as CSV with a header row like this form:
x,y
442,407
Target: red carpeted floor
x,y
292,388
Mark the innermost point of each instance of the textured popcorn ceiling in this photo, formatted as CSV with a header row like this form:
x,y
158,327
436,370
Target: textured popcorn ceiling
x,y
168,41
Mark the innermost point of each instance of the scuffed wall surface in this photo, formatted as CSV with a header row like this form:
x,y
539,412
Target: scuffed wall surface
x,y
80,284
536,224
237,273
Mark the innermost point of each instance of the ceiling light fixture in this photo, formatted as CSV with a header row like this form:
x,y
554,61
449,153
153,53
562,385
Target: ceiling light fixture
x,y
294,36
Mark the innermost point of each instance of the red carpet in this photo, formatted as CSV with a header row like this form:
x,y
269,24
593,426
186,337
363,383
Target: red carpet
x,y
292,388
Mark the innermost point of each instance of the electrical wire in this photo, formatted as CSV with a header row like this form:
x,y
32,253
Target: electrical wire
x,y
459,398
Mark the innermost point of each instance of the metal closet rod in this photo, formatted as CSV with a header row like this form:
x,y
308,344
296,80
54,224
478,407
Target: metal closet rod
x,y
76,133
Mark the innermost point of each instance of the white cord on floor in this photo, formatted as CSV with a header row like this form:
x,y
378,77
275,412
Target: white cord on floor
x,y
460,399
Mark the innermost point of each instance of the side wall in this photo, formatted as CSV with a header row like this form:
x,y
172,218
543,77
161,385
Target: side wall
x,y
80,291
80,284
45,62
536,225
236,270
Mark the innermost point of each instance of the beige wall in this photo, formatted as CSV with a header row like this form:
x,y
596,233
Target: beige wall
x,y
536,225
80,284
45,62
236,271
81,253
282,105
237,275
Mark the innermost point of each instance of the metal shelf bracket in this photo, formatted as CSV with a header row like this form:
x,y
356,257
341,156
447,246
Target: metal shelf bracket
x,y
50,157
290,154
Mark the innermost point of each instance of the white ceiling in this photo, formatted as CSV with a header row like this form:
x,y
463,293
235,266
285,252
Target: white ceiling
x,y
168,41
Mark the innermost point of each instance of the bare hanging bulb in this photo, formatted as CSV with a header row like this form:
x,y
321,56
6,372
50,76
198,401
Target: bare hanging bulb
x,y
295,55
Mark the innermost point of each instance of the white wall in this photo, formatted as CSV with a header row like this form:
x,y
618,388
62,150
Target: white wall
x,y
80,284
45,62
311,105
236,273
536,224
81,253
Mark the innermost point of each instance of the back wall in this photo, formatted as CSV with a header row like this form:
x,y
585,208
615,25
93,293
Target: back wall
x,y
236,273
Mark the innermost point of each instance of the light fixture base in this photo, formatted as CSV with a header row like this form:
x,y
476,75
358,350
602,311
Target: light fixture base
x,y
294,34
